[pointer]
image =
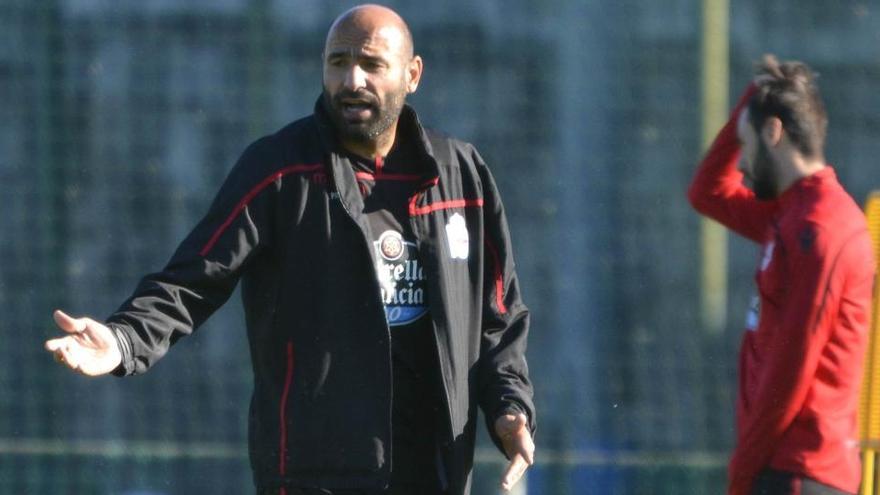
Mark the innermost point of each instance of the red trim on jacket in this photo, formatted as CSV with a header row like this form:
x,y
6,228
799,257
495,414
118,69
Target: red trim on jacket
x,y
282,443
442,205
395,177
499,277
250,195
380,162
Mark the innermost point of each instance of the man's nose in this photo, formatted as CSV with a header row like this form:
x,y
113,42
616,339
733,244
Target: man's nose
x,y
355,78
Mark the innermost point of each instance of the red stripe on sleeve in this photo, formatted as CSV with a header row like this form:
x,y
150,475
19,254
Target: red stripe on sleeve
x,y
499,277
282,444
242,204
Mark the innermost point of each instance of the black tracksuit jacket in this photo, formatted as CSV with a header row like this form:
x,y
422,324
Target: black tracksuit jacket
x,y
289,222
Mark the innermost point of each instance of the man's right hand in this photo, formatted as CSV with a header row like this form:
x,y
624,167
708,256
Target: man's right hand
x,y
514,433
90,348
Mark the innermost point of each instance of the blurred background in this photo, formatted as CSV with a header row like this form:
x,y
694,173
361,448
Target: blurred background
x,y
120,118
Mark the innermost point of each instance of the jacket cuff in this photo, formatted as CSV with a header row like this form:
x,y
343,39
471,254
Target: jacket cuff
x,y
126,366
512,408
745,98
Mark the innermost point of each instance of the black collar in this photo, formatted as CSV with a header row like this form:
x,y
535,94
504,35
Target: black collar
x,y
409,133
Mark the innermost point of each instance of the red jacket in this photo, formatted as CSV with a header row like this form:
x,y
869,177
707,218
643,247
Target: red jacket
x,y
802,354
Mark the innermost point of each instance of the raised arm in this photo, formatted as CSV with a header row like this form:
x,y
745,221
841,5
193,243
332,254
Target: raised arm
x,y
717,190
89,346
198,279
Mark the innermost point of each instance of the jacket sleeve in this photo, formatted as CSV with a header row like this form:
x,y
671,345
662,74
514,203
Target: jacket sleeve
x,y
717,190
504,385
811,304
204,269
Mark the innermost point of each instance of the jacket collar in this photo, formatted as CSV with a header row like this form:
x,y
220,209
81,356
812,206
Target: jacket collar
x,y
814,181
409,133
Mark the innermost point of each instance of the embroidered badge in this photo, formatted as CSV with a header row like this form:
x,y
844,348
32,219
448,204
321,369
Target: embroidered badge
x,y
391,245
457,235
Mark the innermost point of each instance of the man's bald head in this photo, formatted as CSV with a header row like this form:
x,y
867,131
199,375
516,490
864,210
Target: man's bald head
x,y
369,68
369,21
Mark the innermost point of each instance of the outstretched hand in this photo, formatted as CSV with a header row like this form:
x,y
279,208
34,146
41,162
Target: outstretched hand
x,y
517,441
89,348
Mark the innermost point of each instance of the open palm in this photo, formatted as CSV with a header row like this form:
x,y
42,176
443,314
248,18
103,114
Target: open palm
x,y
90,347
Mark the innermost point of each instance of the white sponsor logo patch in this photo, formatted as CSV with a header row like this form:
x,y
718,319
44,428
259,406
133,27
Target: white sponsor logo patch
x,y
401,279
457,235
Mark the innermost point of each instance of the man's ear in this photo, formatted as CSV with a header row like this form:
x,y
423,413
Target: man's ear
x,y
772,131
414,74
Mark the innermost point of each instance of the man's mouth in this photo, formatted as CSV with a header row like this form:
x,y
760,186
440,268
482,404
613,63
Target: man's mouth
x,y
356,109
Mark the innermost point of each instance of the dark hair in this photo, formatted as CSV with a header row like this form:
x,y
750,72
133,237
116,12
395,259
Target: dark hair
x,y
788,91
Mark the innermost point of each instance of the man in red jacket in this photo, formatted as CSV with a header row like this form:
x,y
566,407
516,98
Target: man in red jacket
x,y
802,354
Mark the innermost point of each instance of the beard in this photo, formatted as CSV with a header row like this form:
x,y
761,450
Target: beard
x,y
764,180
364,131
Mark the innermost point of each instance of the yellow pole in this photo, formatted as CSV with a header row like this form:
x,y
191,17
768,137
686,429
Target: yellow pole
x,y
714,64
868,460
869,406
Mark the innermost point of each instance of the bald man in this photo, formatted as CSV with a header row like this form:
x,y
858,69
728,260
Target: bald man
x,y
381,301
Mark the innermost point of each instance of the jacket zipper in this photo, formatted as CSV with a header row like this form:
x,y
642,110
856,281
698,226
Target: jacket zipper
x,y
443,374
357,225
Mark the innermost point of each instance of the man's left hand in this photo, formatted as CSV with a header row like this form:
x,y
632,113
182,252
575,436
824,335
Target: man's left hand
x,y
517,441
